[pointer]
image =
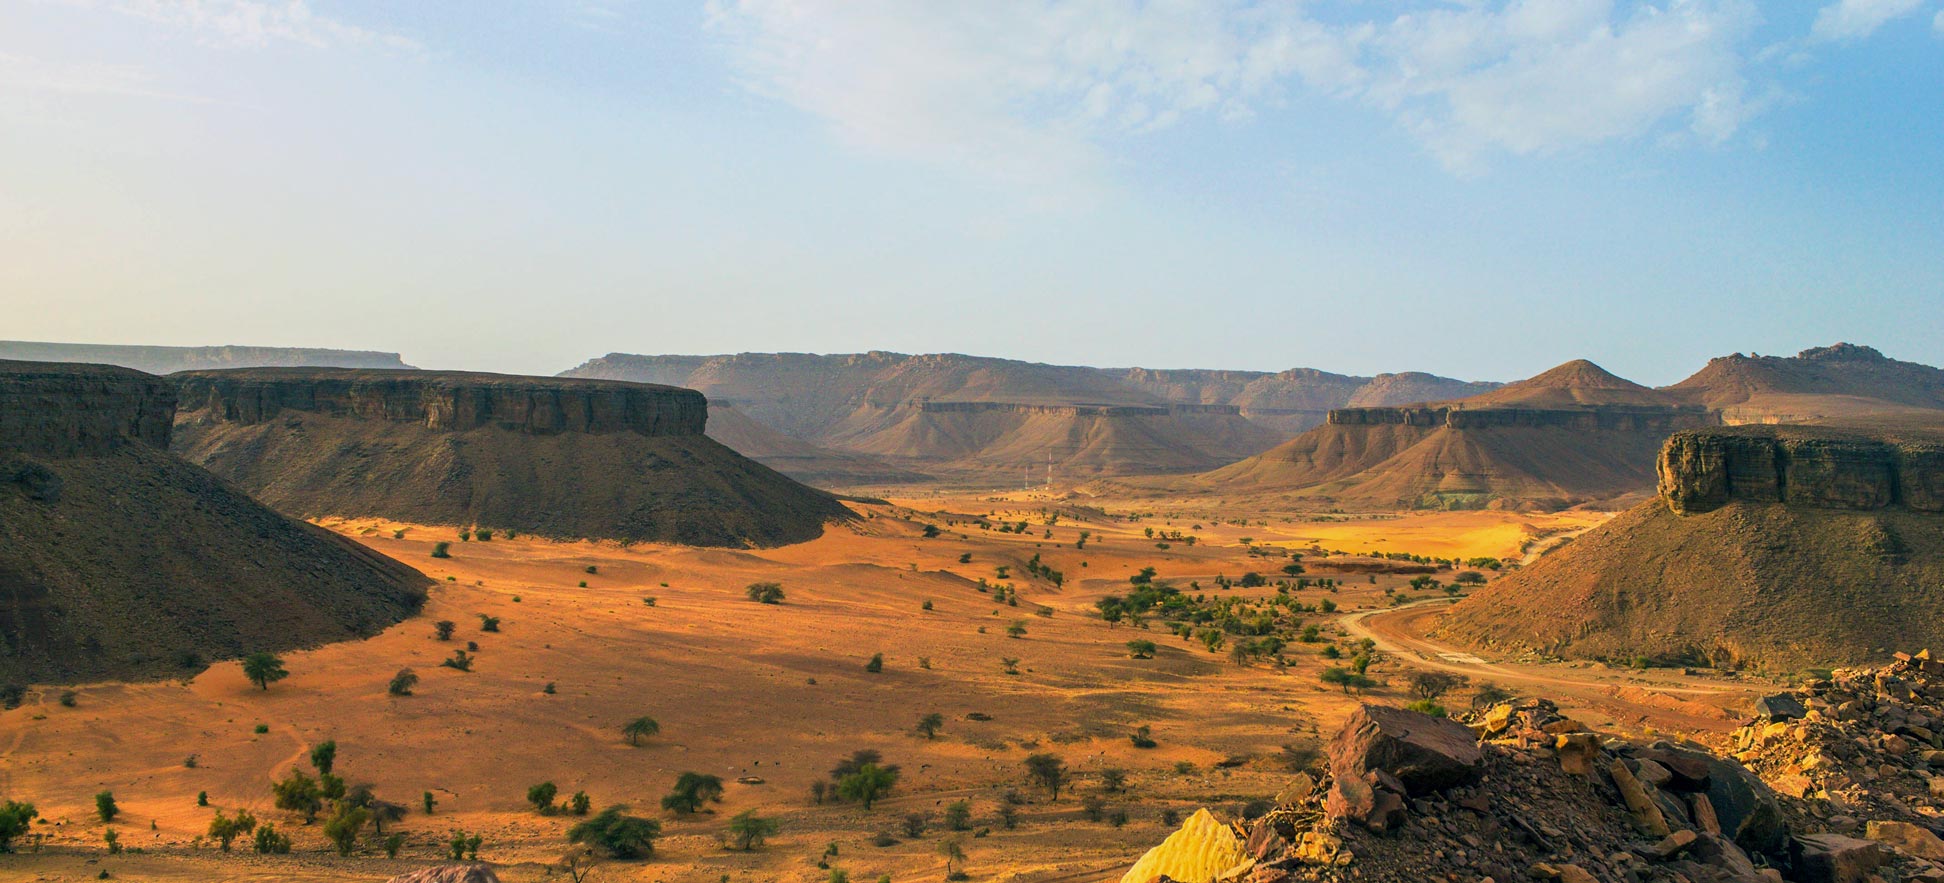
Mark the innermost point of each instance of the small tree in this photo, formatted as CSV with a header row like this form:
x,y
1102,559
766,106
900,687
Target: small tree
x,y
954,852
1141,649
764,593
299,793
428,801
1017,629
403,682
16,818
542,797
442,550
264,669
323,756
343,828
640,728
580,803
1048,770
618,834
105,806
1113,779
1434,684
958,815
225,829
817,791
930,724
488,623
692,790
867,784
914,824
748,830
444,629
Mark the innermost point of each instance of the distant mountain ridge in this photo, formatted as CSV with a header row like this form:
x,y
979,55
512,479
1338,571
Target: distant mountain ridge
x,y
170,359
1086,421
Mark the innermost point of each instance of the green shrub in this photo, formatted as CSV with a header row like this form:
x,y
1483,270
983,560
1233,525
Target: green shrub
x,y
442,550
105,806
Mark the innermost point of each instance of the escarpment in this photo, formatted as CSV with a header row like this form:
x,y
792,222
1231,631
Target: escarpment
x,y
1800,466
554,457
118,559
168,359
448,401
1772,547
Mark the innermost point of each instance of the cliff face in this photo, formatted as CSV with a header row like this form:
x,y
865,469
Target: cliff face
x,y
65,410
169,359
1703,471
448,401
1590,418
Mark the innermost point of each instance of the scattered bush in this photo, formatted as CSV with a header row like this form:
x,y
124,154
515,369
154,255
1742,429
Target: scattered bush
x,y
270,842
105,806
914,825
68,698
488,623
958,815
1141,649
692,790
1049,771
764,593
225,829
323,756
444,629
403,682
441,550
16,818
460,660
747,830
929,725
876,664
542,797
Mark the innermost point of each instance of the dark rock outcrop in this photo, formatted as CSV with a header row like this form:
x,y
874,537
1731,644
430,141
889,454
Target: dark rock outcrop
x,y
1800,466
68,410
447,401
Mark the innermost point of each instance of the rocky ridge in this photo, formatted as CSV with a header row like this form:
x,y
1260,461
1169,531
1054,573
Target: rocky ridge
x,y
168,359
1801,466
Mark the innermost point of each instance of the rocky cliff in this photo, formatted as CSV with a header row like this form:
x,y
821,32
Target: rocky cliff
x,y
118,559
64,410
447,401
1800,466
168,359
1585,418
556,457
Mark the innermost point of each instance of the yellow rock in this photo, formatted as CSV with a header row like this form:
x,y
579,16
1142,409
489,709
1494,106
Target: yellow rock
x,y
1498,719
1203,851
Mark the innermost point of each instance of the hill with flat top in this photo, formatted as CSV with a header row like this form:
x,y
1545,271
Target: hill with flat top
x,y
565,458
118,559
1574,434
949,414
1775,547
169,359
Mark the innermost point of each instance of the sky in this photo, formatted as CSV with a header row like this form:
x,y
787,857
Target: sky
x,y
1473,188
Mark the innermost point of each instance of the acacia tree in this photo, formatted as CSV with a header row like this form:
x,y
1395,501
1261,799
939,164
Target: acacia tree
x,y
748,830
692,790
930,724
1048,770
618,834
867,784
264,669
640,728
954,852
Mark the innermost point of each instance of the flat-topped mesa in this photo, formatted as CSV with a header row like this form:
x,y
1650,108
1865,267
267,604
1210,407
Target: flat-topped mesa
x,y
451,401
1802,466
1626,418
1074,410
60,409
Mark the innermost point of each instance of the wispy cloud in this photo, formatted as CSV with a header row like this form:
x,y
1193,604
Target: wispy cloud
x,y
259,23
1847,20
1019,84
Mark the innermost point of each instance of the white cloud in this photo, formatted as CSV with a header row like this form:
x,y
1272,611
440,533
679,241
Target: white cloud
x,y
1016,85
260,23
1937,24
1855,19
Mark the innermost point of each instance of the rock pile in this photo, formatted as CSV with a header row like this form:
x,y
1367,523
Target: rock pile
x,y
1863,748
1525,793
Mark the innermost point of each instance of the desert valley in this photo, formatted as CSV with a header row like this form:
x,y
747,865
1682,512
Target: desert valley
x,y
304,617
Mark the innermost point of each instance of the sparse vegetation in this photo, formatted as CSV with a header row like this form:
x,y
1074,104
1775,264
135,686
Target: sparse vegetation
x,y
764,593
403,682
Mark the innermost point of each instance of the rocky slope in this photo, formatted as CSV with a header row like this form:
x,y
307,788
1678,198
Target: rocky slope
x,y
118,559
1573,434
904,409
168,359
548,456
1772,547
1523,793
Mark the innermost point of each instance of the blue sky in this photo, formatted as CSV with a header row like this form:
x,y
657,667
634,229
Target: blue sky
x,y
1478,189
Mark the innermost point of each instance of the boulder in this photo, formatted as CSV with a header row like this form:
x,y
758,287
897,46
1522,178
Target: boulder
x,y
1425,753
1748,812
1834,858
1907,838
449,874
1363,800
1780,707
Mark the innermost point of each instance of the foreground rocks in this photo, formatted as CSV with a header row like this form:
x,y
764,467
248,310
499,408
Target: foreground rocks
x,y
449,874
1525,793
